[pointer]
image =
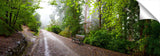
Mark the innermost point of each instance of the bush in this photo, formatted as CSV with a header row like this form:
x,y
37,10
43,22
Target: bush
x,y
54,28
65,32
5,29
34,26
104,39
153,46
152,42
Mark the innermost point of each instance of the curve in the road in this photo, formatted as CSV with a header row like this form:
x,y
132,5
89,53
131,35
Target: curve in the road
x,y
58,43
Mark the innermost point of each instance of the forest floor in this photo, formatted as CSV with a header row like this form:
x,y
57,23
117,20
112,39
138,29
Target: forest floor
x,y
51,44
8,43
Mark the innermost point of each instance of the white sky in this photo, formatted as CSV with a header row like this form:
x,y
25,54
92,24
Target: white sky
x,y
46,10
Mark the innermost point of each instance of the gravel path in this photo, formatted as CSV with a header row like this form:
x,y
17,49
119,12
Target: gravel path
x,y
51,44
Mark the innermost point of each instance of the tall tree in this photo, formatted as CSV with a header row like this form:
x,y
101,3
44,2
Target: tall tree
x,y
15,13
72,17
100,17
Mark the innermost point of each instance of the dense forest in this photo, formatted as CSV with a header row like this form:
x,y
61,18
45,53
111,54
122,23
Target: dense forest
x,y
109,24
15,13
117,26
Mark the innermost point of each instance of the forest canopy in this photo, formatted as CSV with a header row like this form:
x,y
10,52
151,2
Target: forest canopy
x,y
15,13
114,25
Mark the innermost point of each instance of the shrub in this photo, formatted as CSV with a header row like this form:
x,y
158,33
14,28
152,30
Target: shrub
x,y
65,32
153,46
34,26
104,39
152,42
54,28
5,29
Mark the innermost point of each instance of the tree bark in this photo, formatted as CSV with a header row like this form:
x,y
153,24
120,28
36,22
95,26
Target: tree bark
x,y
85,28
16,16
99,13
10,19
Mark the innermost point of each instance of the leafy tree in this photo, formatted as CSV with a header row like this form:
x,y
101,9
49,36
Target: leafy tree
x,y
34,23
120,21
119,28
15,13
72,18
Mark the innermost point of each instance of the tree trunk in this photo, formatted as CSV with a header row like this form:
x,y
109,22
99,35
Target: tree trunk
x,y
141,30
99,13
85,28
16,16
10,19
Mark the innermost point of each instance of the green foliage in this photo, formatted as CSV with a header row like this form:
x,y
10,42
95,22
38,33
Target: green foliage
x,y
65,32
105,39
14,14
72,10
153,46
34,26
54,28
112,16
121,23
98,38
53,2
153,41
34,23
121,29
72,17
5,29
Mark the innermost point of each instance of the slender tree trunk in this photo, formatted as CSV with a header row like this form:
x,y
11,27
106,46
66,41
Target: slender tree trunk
x,y
86,8
10,13
141,30
6,19
99,13
125,25
16,16
10,19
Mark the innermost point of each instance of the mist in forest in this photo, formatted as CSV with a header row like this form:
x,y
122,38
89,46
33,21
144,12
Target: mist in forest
x,y
45,11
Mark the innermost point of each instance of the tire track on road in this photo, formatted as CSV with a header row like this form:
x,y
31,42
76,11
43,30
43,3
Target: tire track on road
x,y
46,47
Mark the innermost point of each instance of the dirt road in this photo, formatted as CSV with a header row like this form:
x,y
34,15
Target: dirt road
x,y
51,44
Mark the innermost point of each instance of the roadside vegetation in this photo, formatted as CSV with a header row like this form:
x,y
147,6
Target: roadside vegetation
x,y
114,25
15,13
54,28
